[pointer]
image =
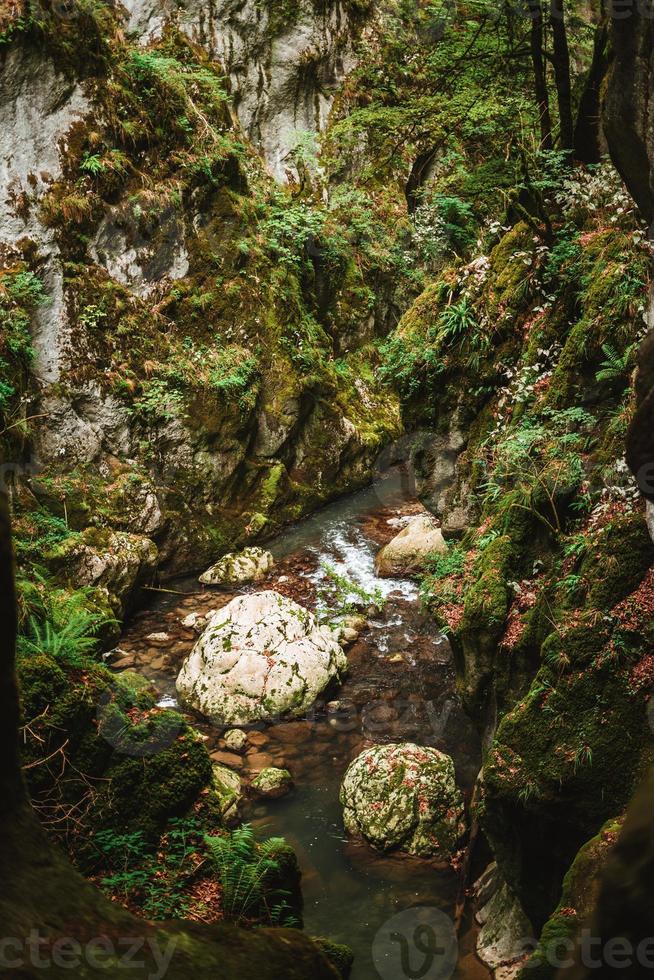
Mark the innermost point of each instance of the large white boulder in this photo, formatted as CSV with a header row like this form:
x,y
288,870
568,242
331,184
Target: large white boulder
x,y
404,796
407,553
239,568
261,657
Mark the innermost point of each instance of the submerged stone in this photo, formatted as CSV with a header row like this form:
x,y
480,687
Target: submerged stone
x,y
236,740
272,783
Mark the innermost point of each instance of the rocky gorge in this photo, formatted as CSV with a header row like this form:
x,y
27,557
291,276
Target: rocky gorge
x,y
326,428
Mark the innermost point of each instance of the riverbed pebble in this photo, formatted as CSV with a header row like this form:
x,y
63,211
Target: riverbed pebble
x,y
236,740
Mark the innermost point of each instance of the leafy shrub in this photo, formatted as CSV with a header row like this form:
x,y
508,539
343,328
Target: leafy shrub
x,y
341,595
443,226
158,401
154,879
451,563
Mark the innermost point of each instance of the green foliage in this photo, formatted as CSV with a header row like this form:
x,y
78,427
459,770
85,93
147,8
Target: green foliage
x,y
158,72
437,75
154,879
616,365
64,628
564,257
458,320
20,294
340,595
158,401
289,229
39,532
92,164
451,563
234,375
249,873
537,466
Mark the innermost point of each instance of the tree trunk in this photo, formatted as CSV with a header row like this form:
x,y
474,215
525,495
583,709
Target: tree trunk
x,y
540,78
561,61
588,138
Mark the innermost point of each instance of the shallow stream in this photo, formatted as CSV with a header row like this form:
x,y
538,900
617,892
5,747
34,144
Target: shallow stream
x,y
400,687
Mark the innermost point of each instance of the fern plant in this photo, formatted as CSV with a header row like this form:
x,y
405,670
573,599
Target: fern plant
x,y
64,628
250,872
616,365
155,877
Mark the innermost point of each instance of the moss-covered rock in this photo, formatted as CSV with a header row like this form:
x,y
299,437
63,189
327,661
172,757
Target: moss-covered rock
x,y
272,783
235,570
260,658
226,787
404,797
116,760
339,955
113,561
575,909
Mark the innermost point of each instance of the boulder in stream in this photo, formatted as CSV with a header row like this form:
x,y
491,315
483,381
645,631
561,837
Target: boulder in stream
x,y
239,568
271,783
404,797
261,657
407,553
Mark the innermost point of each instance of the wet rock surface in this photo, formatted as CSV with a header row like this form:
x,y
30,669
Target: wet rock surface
x,y
242,568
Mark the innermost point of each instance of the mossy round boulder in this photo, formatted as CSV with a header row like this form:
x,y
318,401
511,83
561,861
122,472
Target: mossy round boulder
x,y
262,657
404,797
239,568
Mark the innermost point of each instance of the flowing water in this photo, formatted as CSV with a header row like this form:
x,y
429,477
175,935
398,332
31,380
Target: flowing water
x,y
400,687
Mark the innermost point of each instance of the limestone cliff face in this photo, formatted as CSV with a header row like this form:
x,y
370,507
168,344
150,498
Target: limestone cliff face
x,y
284,60
196,358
